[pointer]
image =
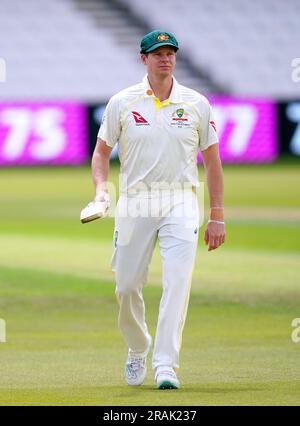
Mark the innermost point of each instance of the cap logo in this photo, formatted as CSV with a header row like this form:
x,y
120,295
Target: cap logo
x,y
162,37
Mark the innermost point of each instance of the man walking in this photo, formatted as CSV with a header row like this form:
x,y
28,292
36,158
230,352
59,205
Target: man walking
x,y
159,126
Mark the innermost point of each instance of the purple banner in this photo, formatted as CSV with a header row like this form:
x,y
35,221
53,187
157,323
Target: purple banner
x,y
33,133
247,130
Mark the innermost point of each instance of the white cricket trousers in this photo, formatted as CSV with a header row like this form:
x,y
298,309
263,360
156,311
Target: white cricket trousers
x,y
173,220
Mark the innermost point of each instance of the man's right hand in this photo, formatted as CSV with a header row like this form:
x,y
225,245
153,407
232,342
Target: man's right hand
x,y
97,208
102,196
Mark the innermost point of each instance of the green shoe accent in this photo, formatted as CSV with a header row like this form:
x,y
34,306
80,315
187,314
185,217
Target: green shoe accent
x,y
167,385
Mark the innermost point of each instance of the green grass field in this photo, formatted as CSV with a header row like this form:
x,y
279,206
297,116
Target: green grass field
x,y
57,297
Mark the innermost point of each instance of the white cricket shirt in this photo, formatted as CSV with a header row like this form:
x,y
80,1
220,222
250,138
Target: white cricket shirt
x,y
158,142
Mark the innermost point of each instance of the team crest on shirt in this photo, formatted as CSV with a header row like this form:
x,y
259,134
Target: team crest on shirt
x,y
180,118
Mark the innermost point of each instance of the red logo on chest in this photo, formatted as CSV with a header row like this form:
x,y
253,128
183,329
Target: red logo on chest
x,y
138,118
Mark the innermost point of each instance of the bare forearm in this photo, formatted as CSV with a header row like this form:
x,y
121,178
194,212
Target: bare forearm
x,y
215,232
215,185
100,170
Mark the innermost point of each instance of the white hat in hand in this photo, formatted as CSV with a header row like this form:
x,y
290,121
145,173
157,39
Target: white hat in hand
x,y
97,208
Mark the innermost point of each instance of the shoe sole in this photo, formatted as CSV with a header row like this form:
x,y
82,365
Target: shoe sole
x,y
167,385
135,384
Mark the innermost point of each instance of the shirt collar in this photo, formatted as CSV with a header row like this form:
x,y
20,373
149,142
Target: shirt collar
x,y
175,96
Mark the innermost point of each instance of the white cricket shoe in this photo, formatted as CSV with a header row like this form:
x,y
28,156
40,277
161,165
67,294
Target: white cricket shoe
x,y
136,366
166,378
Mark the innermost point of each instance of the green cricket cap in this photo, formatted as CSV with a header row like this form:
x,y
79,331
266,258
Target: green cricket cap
x,y
155,39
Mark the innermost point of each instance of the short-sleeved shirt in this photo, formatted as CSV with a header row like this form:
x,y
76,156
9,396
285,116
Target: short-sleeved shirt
x,y
158,141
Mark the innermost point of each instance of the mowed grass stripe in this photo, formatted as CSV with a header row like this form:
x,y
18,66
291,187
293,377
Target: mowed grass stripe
x,y
223,273
57,297
246,185
65,349
213,394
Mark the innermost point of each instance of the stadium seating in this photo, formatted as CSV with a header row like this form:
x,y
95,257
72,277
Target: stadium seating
x,y
73,49
53,50
246,47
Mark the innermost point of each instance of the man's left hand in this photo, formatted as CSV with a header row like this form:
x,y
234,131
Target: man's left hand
x,y
215,235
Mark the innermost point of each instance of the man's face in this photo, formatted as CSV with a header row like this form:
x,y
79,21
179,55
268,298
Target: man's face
x,y
161,61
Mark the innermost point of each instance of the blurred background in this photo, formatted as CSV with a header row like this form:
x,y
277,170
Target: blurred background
x,y
60,62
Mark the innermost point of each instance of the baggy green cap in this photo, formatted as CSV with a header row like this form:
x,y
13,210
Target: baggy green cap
x,y
155,39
